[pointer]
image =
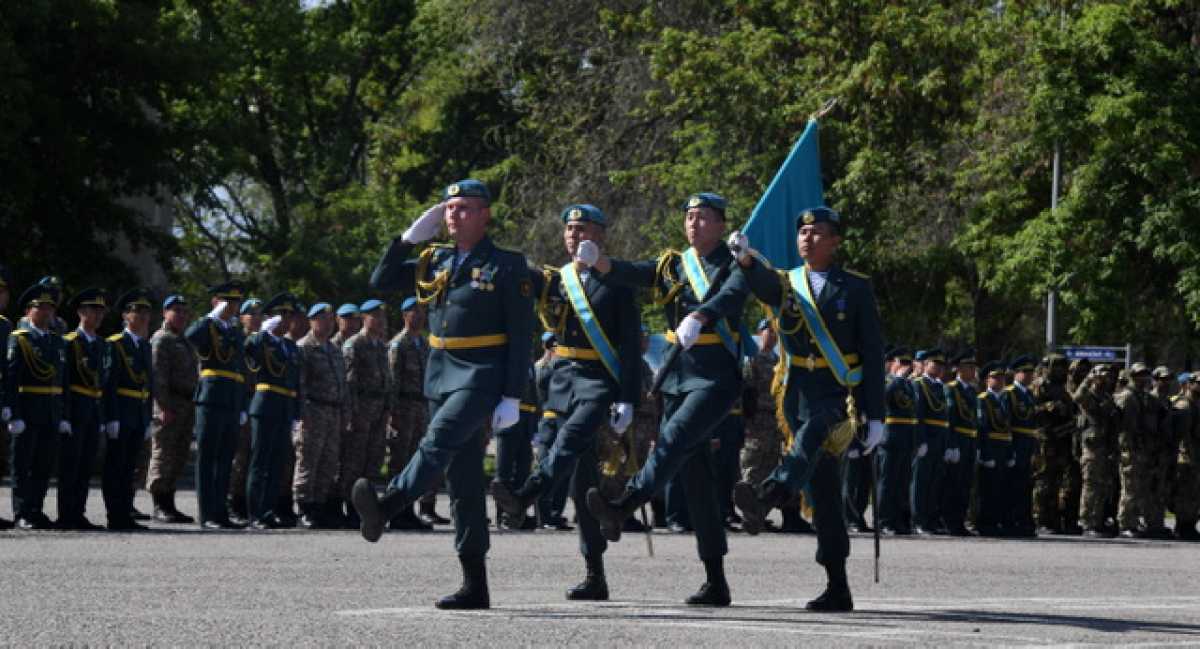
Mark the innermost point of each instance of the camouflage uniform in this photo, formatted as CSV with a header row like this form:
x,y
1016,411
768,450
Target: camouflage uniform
x,y
1139,425
1056,487
371,393
318,440
176,372
1098,421
1162,451
763,449
409,417
1186,499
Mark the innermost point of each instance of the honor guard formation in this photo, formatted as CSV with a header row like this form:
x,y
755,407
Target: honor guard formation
x,y
325,417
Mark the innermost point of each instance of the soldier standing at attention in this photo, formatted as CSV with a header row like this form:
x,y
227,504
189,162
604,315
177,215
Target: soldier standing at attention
x,y
285,505
1185,411
34,379
1021,406
349,322
598,381
995,452
835,348
129,369
961,395
699,390
85,391
480,303
1139,425
1162,452
5,408
896,451
220,401
764,447
553,500
407,354
370,384
176,373
250,318
1056,417
1099,419
931,455
318,438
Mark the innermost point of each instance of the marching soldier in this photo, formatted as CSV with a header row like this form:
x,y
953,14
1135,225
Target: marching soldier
x,y
275,405
250,318
835,366
1099,418
896,452
1185,410
931,455
995,452
370,384
407,354
85,351
34,380
1021,406
129,369
961,396
481,325
176,373
5,408
325,409
597,381
698,391
349,322
220,401
1056,416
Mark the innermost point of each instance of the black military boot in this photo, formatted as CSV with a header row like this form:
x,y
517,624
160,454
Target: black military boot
x,y
333,514
611,515
793,522
237,510
430,516
161,513
371,511
757,503
515,504
1185,530
407,520
473,594
715,591
310,515
594,586
285,511
166,512
836,597
5,524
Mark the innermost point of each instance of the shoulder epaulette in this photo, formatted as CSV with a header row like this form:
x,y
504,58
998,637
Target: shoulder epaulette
x,y
857,274
71,336
441,244
953,384
3,319
981,395
114,338
20,332
1009,388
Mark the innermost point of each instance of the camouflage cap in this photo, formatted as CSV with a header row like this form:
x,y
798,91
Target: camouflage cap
x,y
1138,369
1161,372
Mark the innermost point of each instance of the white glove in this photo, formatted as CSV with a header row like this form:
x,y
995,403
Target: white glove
x,y
146,435
739,245
296,426
271,324
1011,462
243,418
874,436
948,456
990,464
64,427
16,427
922,450
622,416
218,312
5,414
587,253
688,331
506,414
852,454
957,455
426,226
113,429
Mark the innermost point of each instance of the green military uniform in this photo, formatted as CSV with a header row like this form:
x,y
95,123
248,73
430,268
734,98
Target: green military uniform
x,y
129,369
1185,411
83,398
240,466
1022,416
34,380
220,406
995,455
1162,451
1056,418
370,383
274,408
895,455
1139,427
481,327
317,441
1099,420
176,372
929,456
961,439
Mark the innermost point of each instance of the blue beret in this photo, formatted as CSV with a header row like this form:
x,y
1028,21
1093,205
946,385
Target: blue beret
x,y
469,188
706,199
319,308
819,214
251,305
993,368
762,324
91,297
347,310
138,298
1184,377
547,337
370,305
584,212
408,304
1024,363
174,299
933,355
234,290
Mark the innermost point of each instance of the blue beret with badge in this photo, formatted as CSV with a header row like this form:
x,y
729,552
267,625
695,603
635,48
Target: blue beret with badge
x,y
584,213
138,298
469,188
370,305
228,291
819,214
251,305
1183,377
1023,363
932,355
39,295
174,299
408,304
706,199
319,308
347,310
92,297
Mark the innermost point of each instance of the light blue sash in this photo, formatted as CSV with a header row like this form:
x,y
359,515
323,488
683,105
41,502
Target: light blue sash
x,y
591,326
699,281
816,326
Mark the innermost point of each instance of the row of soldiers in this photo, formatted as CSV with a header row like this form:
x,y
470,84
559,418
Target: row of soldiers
x,y
1054,447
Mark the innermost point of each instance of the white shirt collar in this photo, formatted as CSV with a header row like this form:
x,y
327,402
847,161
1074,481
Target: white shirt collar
x,y
136,339
90,338
34,328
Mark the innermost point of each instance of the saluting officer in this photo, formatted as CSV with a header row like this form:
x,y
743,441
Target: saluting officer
x,y
85,390
34,382
961,395
250,319
480,302
220,401
130,372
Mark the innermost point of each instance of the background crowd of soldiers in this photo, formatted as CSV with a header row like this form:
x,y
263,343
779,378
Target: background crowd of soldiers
x,y
325,396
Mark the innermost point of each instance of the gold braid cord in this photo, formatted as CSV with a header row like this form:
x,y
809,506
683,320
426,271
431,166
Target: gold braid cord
x,y
547,313
39,368
138,379
669,284
89,377
428,291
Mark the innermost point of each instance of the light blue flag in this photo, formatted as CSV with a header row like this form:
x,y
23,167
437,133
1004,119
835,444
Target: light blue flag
x,y
771,229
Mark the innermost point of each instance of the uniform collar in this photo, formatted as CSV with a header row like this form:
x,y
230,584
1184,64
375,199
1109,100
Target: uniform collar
x,y
132,336
87,336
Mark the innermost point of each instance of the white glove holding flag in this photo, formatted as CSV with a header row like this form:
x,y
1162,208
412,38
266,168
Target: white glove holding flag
x,y
218,312
922,450
688,331
587,253
64,427
112,429
507,414
739,245
622,416
426,226
271,324
874,436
